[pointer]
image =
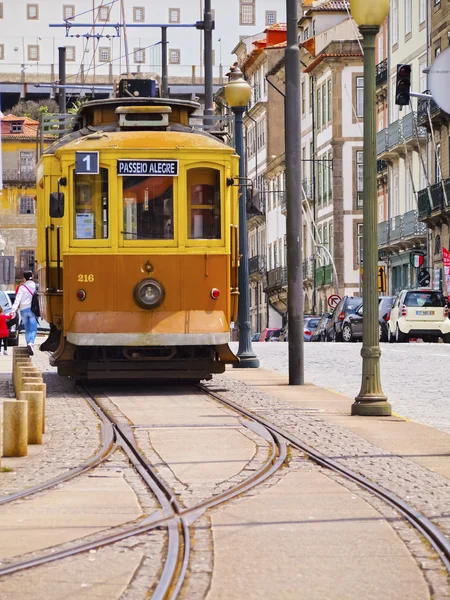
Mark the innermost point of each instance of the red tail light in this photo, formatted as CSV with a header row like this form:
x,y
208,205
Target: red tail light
x,y
341,316
403,310
307,332
446,312
387,317
215,293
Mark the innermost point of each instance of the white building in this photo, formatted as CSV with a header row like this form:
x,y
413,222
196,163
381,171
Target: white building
x,y
29,46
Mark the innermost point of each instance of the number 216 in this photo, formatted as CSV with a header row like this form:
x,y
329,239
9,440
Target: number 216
x,y
85,278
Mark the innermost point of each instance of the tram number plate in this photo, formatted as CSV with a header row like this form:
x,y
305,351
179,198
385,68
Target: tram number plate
x,y
147,168
86,163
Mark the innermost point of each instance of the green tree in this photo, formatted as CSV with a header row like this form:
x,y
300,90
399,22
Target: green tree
x,y
32,109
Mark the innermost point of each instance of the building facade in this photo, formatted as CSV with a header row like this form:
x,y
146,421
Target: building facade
x,y
29,47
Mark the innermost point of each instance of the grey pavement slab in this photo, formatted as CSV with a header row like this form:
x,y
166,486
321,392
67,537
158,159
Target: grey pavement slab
x,y
308,537
87,505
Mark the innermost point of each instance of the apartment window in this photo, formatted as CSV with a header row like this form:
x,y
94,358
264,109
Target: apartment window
x,y
2,52
380,40
26,161
174,15
303,98
359,179
319,180
174,56
138,14
324,103
408,17
314,28
70,53
423,76
360,243
360,96
394,22
395,199
409,190
33,52
32,11
271,17
103,13
139,55
270,257
437,164
325,243
330,238
26,205
104,54
246,12
422,11
26,260
330,176
68,11
16,127
329,100
275,255
306,33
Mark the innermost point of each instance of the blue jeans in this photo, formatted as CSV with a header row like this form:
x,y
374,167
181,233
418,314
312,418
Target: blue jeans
x,y
30,322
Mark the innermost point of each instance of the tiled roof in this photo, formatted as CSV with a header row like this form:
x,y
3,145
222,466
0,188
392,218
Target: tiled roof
x,y
329,5
29,127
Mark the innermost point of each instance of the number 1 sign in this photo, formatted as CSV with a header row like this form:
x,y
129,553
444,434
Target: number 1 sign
x,y
86,163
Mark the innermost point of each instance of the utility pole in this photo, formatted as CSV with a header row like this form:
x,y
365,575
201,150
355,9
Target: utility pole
x,y
208,25
164,78
125,37
292,129
62,79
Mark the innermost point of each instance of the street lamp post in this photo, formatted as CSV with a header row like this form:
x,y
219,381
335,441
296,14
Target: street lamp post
x,y
237,94
371,400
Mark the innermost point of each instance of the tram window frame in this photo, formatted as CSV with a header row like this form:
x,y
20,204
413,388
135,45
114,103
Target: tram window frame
x,y
125,240
91,241
223,204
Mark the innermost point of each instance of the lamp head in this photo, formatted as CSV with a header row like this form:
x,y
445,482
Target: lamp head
x,y
372,12
237,91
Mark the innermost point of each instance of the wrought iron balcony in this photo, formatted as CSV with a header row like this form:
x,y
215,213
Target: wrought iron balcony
x,y
12,176
401,231
405,131
324,275
308,268
276,279
256,265
432,200
381,73
436,113
423,203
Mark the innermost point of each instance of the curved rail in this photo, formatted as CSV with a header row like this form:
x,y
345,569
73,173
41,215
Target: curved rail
x,y
433,534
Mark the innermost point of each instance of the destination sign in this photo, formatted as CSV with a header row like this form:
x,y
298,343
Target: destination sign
x,y
147,168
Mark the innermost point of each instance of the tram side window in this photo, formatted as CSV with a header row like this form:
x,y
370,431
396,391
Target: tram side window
x,y
148,208
204,204
91,206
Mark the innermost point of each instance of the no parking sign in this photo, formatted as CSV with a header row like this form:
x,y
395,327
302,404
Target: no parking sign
x,y
333,300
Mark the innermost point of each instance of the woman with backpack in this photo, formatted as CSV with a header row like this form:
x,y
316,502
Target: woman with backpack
x,y
23,302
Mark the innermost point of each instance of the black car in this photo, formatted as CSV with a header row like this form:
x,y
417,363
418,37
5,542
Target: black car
x,y
318,334
346,306
352,326
5,302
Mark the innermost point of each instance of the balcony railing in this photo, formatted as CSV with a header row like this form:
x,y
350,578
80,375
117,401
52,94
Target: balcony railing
x,y
400,132
308,187
324,275
256,265
401,228
14,176
308,268
277,278
422,110
381,73
437,198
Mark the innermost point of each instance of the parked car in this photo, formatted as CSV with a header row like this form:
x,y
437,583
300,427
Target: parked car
x,y
308,327
274,336
255,337
347,305
419,313
319,335
352,326
265,333
5,302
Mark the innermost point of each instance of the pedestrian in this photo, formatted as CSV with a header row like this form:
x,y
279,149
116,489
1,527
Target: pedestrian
x,y
4,331
22,302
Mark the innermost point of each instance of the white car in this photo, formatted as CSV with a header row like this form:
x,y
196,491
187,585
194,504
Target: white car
x,y
420,313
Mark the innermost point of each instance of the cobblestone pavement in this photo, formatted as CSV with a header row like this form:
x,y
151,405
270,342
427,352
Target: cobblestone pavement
x,y
428,492
72,433
414,376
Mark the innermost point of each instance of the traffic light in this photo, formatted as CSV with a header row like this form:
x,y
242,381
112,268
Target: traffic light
x,y
403,85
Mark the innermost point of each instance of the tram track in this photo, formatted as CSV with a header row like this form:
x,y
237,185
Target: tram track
x,y
178,519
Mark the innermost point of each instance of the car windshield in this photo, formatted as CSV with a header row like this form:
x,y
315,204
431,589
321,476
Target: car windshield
x,y
4,301
351,305
312,323
424,299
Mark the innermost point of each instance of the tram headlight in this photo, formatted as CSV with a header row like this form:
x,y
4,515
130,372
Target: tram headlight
x,y
149,293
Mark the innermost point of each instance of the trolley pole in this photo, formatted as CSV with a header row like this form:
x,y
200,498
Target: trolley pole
x,y
292,128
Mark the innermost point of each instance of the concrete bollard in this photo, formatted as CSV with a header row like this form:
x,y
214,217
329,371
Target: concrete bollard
x,y
20,361
15,428
34,400
31,386
19,351
27,373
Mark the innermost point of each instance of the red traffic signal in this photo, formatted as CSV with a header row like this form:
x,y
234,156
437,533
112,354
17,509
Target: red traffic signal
x,y
403,85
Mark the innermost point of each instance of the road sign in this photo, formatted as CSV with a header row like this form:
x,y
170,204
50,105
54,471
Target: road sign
x,y
439,79
333,300
424,278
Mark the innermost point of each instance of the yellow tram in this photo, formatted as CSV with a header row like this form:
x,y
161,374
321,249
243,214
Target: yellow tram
x,y
137,243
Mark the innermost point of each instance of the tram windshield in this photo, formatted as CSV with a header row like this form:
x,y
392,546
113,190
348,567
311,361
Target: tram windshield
x,y
91,206
148,208
204,203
